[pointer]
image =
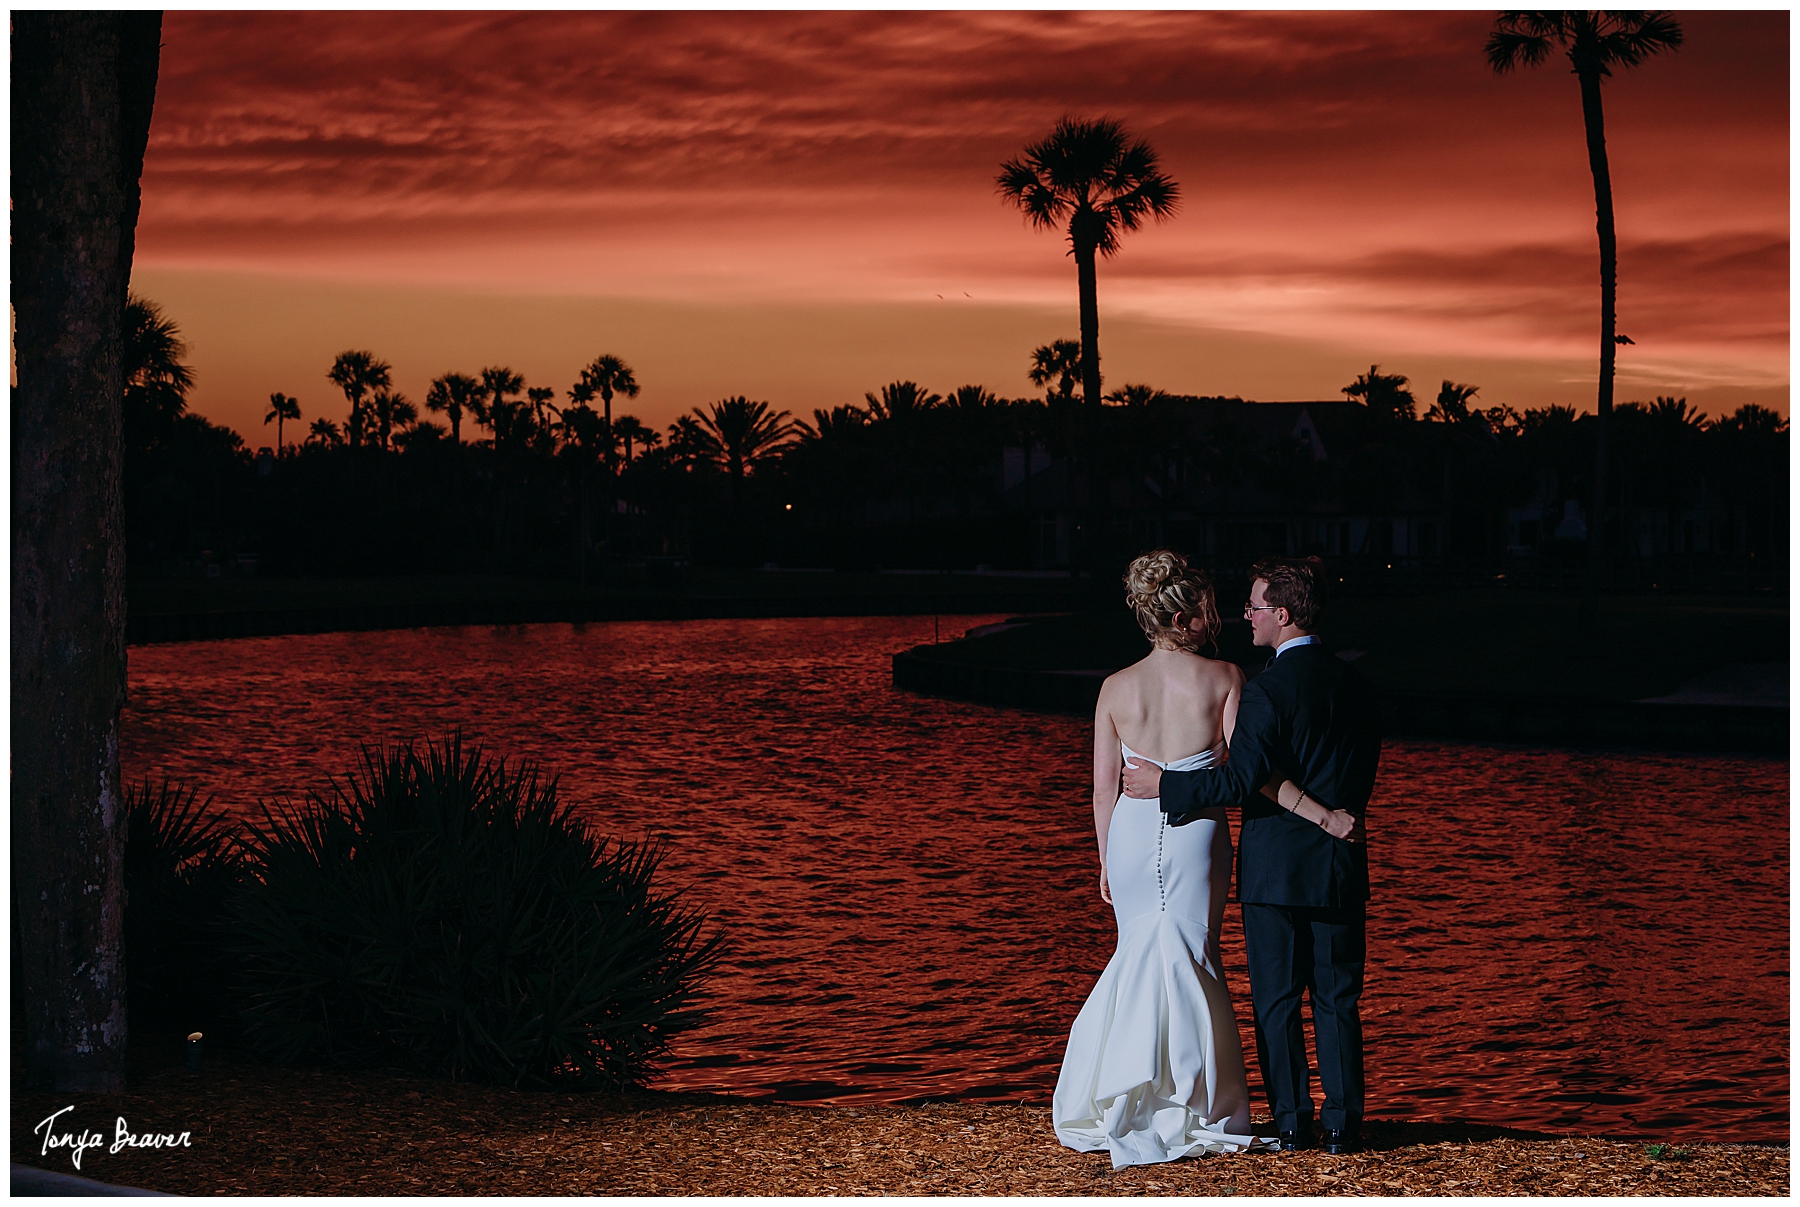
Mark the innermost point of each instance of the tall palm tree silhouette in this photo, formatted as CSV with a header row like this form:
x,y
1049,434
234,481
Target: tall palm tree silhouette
x,y
326,433
1595,43
1102,183
606,376
744,432
452,395
358,374
281,409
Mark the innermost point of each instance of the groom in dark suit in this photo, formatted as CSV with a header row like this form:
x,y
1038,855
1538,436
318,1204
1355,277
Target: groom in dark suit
x,y
1310,718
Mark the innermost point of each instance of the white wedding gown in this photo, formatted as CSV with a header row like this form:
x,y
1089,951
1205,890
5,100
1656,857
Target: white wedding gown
x,y
1154,1069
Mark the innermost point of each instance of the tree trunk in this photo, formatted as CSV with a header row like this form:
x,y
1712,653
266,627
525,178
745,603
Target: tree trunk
x,y
1094,506
1090,326
1595,121
611,522
83,85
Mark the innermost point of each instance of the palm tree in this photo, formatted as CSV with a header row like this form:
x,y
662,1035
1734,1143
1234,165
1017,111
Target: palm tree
x,y
390,409
632,432
586,439
609,375
972,398
1452,405
156,383
1103,184
452,394
975,428
744,432
836,422
326,433
1135,395
281,409
493,408
691,444
1676,414
901,400
542,435
1595,42
1469,431
1058,361
358,374
1385,394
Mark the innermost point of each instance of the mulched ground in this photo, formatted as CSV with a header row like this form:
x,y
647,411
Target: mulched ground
x,y
259,1130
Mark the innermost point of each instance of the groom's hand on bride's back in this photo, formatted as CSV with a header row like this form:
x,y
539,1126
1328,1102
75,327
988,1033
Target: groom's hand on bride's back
x,y
1347,826
1143,781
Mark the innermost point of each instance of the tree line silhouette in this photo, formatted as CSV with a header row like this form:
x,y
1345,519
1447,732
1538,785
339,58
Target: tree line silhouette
x,y
498,475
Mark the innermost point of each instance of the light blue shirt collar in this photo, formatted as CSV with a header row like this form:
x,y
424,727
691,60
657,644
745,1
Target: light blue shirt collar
x,y
1292,642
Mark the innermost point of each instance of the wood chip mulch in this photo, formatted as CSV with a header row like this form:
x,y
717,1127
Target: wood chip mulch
x,y
266,1131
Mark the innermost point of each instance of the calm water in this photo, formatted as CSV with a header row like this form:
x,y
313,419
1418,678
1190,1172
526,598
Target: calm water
x,y
1573,942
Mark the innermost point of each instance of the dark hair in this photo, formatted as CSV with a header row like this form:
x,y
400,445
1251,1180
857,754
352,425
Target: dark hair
x,y
1159,586
1297,584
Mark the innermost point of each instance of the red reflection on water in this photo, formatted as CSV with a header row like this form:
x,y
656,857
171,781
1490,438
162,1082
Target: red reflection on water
x,y
1573,942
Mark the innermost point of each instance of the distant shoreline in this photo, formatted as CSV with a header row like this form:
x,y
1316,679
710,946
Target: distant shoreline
x,y
194,609
1534,721
1526,676
160,628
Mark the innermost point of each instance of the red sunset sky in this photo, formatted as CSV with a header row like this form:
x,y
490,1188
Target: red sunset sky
x,y
800,206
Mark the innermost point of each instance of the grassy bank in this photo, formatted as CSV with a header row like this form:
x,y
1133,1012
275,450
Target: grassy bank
x,y
1490,641
259,1130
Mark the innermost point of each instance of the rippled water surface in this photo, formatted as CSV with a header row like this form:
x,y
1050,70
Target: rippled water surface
x,y
1575,942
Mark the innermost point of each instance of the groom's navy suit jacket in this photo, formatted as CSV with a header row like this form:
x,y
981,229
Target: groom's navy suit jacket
x,y
1312,716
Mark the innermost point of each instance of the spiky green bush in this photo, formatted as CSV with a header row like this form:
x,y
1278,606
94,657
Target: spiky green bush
x,y
181,864
441,911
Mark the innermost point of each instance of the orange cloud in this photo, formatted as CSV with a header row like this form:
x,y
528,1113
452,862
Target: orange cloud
x,y
1351,180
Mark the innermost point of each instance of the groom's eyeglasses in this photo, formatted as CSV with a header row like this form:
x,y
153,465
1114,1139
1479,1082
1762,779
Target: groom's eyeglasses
x,y
1249,608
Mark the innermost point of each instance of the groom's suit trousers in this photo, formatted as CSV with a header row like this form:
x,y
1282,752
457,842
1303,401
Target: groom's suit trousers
x,y
1295,949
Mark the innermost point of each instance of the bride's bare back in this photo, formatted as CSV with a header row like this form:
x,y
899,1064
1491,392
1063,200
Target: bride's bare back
x,y
1172,704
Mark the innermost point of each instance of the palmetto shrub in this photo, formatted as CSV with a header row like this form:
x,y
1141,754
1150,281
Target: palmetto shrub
x,y
181,864
441,911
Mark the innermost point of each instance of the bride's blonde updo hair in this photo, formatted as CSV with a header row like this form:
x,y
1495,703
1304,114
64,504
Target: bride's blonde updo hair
x,y
1161,584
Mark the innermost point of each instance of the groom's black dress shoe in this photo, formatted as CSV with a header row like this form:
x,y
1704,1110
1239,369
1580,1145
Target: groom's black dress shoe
x,y
1340,1140
1292,1142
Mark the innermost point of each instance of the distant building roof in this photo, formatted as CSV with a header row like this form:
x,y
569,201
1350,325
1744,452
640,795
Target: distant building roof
x,y
1322,423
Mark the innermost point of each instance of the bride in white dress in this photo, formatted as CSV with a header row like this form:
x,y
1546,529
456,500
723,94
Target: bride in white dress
x,y
1154,1068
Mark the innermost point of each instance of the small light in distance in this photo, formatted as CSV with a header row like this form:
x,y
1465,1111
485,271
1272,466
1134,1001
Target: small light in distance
x,y
789,507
